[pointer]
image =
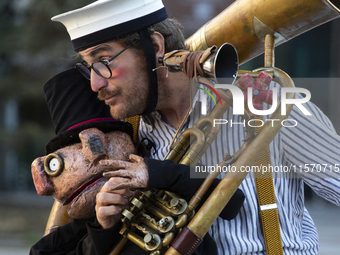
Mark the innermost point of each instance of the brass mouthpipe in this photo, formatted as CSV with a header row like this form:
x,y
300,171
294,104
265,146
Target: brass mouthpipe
x,y
269,53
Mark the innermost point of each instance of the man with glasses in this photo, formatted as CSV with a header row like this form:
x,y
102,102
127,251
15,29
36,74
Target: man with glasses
x,y
132,81
102,67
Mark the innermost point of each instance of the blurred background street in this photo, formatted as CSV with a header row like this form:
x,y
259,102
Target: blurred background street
x,y
23,218
33,49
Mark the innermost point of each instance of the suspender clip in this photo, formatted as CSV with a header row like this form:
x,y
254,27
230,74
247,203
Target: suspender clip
x,y
268,207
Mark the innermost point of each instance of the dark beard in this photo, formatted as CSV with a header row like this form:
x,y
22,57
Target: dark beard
x,y
135,100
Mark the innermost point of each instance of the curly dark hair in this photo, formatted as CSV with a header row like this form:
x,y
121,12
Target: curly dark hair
x,y
171,30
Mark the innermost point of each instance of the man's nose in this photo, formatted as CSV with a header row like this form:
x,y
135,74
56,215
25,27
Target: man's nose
x,y
42,183
97,82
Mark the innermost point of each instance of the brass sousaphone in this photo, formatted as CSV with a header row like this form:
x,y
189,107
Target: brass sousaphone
x,y
252,27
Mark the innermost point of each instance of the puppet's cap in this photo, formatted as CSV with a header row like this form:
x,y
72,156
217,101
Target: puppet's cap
x,y
105,20
74,107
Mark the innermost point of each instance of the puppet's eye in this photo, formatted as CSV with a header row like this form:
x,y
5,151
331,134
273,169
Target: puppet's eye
x,y
53,164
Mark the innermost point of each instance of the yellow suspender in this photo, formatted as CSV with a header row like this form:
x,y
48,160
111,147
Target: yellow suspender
x,y
267,205
134,121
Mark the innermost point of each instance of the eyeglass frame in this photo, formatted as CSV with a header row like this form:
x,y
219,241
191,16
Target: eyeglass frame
x,y
105,62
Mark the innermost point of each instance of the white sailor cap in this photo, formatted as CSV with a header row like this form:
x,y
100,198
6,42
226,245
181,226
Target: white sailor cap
x,y
105,20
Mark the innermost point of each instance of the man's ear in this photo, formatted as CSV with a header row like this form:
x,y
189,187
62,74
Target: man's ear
x,y
94,143
158,44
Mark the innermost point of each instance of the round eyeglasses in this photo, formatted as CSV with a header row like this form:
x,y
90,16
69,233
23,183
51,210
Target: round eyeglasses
x,y
101,68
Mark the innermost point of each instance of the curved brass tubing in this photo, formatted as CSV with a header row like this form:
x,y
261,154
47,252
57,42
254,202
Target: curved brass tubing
x,y
179,152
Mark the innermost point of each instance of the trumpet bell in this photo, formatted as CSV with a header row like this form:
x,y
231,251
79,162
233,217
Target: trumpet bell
x,y
223,66
220,64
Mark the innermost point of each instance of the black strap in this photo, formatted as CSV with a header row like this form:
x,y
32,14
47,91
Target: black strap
x,y
151,62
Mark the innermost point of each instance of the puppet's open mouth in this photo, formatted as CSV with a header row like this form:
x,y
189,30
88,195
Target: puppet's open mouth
x,y
82,187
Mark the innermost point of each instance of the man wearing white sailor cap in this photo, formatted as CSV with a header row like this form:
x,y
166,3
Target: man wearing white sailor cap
x,y
98,32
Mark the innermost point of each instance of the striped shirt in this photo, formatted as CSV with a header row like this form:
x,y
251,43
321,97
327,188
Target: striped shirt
x,y
310,150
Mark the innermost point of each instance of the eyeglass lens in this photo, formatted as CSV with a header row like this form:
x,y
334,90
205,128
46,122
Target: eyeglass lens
x,y
101,69
84,70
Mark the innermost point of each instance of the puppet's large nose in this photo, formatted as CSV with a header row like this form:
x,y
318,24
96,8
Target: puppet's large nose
x,y
42,183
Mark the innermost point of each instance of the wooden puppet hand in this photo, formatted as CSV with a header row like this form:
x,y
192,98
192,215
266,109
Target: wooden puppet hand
x,y
136,172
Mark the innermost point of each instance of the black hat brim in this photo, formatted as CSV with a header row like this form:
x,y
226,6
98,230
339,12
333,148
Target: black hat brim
x,y
71,136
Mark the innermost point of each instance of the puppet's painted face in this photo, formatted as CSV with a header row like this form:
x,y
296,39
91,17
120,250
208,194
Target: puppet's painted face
x,y
72,175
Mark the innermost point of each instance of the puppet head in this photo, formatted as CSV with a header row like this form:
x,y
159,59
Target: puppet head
x,y
85,134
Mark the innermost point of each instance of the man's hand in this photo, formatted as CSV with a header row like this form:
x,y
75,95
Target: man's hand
x,y
135,172
110,202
